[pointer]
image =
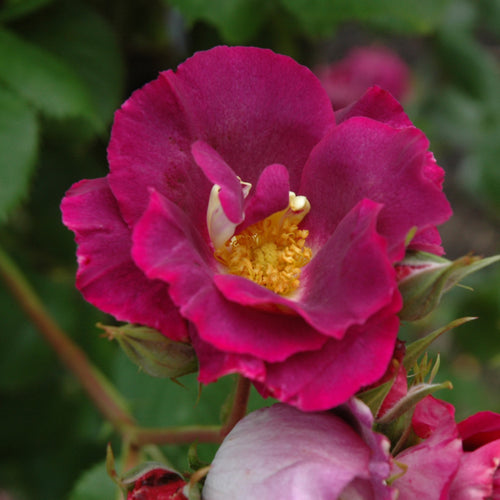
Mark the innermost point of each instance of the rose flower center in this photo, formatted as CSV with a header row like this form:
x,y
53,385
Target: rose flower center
x,y
272,251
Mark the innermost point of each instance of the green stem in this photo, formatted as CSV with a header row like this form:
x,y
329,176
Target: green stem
x,y
97,386
239,408
176,435
131,454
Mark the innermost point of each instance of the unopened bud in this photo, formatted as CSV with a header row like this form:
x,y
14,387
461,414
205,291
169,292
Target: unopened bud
x,y
154,353
151,481
424,278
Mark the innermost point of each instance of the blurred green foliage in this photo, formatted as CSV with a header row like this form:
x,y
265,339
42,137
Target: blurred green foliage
x,y
65,66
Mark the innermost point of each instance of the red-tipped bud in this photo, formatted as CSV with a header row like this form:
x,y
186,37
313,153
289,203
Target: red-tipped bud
x,y
155,482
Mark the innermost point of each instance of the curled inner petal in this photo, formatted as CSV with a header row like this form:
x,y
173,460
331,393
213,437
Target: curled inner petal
x,y
220,227
272,251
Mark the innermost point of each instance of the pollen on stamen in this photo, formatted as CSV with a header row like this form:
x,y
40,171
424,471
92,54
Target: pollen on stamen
x,y
271,253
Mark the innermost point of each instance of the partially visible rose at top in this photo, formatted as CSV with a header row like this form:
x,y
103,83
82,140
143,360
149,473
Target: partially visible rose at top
x,y
348,79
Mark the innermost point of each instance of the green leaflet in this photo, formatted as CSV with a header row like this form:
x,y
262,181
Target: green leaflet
x,y
18,144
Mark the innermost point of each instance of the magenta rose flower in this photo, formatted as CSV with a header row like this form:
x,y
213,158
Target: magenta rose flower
x,y
281,452
241,215
348,79
478,476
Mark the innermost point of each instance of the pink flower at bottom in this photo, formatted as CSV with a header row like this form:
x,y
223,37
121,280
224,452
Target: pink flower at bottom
x,y
478,476
280,452
429,466
452,462
242,216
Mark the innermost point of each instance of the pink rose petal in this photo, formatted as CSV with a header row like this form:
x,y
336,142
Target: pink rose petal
x,y
347,281
479,471
479,429
167,247
378,105
431,464
220,173
306,380
254,107
362,158
270,195
280,452
107,276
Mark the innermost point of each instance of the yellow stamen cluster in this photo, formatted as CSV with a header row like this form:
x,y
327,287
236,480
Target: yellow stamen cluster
x,y
270,253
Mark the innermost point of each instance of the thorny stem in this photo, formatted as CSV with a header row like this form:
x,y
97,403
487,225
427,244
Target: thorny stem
x,y
99,389
131,454
176,435
239,408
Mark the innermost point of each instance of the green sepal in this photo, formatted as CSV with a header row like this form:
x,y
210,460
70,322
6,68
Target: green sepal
x,y
194,461
396,422
227,405
193,491
399,432
154,353
396,475
418,348
131,476
373,398
111,469
430,277
408,402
